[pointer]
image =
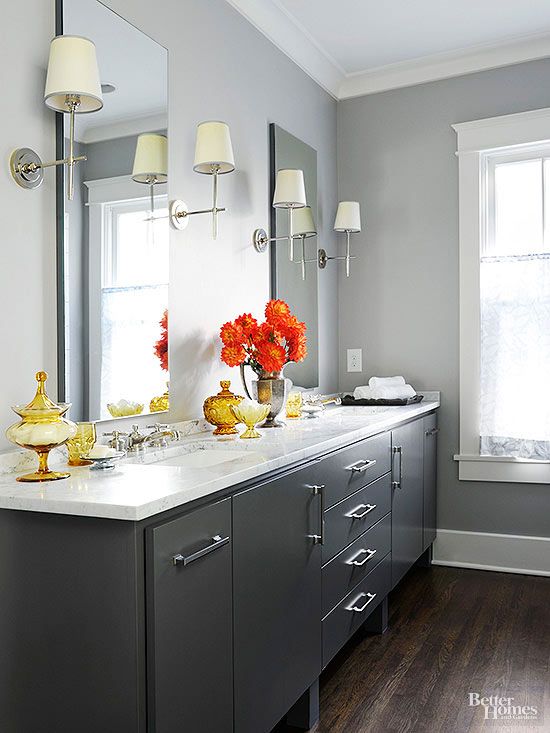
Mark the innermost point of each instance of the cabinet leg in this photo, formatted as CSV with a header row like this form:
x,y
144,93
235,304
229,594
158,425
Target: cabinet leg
x,y
305,712
377,622
425,560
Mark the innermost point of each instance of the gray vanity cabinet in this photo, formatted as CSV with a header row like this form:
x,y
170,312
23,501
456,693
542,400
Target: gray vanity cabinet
x,y
189,622
277,598
407,497
430,478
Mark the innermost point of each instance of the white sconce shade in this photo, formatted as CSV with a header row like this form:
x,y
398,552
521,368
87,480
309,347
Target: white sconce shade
x,y
290,190
213,149
302,223
151,159
348,217
73,71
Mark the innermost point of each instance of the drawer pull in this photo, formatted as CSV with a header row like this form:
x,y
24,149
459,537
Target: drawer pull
x,y
318,490
357,514
398,451
358,563
360,609
217,542
433,431
361,466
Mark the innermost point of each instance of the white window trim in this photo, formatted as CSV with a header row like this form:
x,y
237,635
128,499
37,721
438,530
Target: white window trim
x,y
475,139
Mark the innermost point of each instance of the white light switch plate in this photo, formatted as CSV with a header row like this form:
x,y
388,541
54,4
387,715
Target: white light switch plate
x,y
355,360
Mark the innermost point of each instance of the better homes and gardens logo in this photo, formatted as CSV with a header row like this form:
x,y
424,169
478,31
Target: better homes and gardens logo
x,y
503,709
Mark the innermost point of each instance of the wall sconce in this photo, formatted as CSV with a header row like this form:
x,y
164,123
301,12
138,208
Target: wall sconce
x,y
151,162
304,228
72,87
290,193
213,157
348,220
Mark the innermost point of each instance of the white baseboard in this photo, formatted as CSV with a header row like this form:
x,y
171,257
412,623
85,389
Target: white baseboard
x,y
505,553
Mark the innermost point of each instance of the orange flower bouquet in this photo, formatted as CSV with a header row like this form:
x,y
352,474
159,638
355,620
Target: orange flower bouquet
x,y
267,346
161,346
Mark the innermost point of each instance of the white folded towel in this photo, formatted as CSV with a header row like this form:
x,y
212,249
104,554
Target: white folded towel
x,y
375,382
380,390
401,392
362,393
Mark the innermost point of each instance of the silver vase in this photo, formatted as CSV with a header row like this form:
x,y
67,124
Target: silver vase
x,y
270,388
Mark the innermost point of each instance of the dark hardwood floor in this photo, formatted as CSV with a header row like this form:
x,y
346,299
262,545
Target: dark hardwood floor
x,y
452,632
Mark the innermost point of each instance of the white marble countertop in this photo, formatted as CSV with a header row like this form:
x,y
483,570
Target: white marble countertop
x,y
139,488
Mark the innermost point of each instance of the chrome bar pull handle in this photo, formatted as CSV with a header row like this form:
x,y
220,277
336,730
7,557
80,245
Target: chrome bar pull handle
x,y
398,451
433,431
359,563
359,609
217,542
318,490
357,514
361,466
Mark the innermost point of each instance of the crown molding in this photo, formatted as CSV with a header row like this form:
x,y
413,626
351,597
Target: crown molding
x,y
292,39
446,65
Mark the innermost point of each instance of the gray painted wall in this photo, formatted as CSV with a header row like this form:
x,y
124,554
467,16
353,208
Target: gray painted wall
x,y
396,155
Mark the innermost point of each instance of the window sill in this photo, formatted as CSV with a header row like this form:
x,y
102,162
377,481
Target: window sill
x,y
502,469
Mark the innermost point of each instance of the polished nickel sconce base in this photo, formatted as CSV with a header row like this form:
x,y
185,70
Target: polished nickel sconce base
x,y
26,168
323,258
179,214
260,240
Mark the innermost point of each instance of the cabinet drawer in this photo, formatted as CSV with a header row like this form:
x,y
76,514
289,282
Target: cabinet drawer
x,y
347,470
342,622
355,562
344,522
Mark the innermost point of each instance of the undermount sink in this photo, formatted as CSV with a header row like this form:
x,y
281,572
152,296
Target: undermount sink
x,y
203,458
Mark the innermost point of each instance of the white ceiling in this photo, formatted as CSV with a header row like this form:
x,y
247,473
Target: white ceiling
x,y
361,46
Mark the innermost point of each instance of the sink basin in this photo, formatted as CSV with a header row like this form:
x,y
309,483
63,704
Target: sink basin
x,y
204,458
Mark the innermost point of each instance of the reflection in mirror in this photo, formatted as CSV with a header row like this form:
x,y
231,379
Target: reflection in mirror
x,y
287,280
113,246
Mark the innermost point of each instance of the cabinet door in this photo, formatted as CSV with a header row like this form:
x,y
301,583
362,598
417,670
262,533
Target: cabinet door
x,y
430,479
189,643
277,599
407,497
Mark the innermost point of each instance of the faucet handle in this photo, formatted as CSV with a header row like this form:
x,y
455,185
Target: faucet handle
x,y
117,440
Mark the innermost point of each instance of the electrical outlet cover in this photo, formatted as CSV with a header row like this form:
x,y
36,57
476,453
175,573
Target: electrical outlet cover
x,y
355,360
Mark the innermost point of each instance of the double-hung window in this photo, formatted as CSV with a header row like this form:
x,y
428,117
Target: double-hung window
x,y
504,192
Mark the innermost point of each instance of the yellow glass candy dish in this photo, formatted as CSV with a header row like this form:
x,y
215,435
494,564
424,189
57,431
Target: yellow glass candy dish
x,y
42,427
250,413
217,410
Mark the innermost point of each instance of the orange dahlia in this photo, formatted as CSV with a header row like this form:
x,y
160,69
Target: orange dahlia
x,y
271,356
277,312
231,334
247,323
297,347
161,346
233,355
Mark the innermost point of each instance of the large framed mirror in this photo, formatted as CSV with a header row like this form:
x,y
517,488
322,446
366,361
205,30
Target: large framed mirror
x,y
287,277
113,237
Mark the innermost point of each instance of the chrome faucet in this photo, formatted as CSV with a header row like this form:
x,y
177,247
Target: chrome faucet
x,y
161,435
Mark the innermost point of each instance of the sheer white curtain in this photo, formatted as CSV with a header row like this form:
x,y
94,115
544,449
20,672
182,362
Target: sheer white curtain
x,y
515,356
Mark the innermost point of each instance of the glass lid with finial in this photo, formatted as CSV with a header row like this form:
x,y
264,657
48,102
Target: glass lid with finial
x,y
41,428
